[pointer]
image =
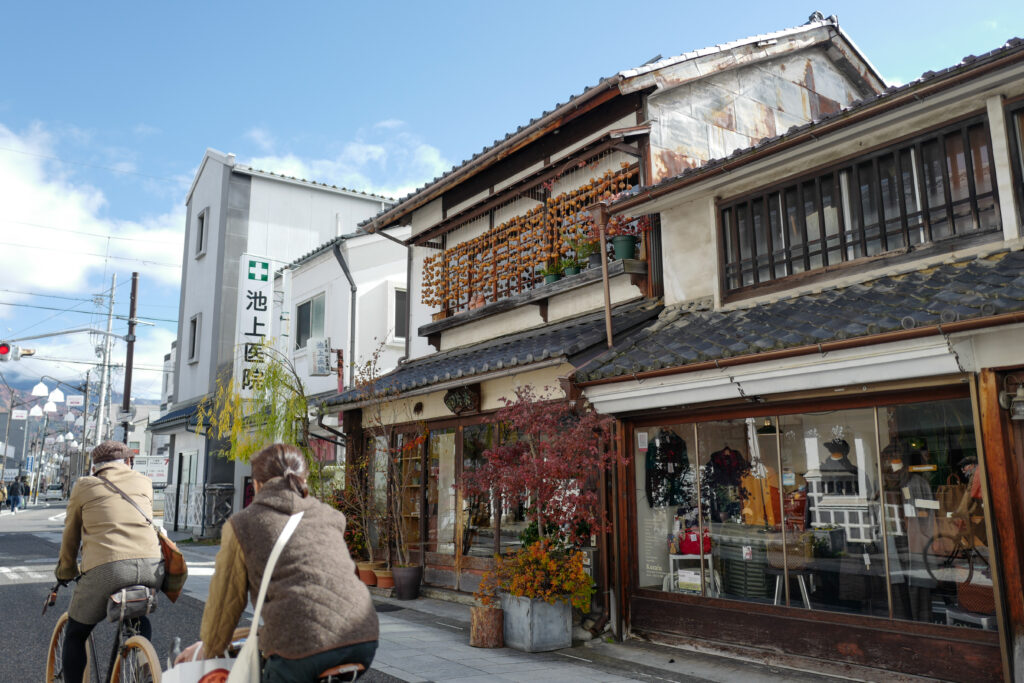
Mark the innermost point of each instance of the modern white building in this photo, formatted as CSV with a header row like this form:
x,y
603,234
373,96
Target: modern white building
x,y
234,209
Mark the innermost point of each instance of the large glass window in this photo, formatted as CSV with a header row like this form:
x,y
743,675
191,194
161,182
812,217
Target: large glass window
x,y
309,320
936,187
872,511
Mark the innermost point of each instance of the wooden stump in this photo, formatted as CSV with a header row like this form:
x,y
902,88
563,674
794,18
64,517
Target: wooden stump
x,y
487,627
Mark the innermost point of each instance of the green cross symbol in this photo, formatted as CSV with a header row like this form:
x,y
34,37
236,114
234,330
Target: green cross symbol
x,y
259,270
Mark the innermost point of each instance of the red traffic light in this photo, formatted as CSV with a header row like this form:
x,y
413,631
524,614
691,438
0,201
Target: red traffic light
x,y
5,348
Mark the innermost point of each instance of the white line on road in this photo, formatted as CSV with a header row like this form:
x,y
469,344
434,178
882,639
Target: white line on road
x,y
457,628
575,657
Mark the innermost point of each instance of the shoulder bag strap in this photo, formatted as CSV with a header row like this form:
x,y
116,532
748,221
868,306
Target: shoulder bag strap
x,y
113,487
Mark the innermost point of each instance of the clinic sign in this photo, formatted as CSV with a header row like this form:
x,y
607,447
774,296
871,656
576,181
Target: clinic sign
x,y
255,294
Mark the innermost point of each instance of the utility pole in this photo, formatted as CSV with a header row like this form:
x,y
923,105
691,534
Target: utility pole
x,y
105,370
129,358
83,460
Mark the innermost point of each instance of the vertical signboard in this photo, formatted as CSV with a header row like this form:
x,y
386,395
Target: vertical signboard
x,y
255,292
320,356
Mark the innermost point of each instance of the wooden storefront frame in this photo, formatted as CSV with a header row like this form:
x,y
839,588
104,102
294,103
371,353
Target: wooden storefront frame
x,y
854,639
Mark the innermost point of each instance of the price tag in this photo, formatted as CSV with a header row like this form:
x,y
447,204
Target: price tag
x,y
748,552
641,441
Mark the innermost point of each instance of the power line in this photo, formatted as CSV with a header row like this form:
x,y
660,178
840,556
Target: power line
x,y
87,164
50,296
71,310
102,256
88,234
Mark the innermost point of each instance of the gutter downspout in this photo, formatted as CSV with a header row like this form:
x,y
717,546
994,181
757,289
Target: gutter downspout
x,y
352,314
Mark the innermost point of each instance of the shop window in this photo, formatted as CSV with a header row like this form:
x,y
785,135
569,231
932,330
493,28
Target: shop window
x,y
937,187
441,492
872,511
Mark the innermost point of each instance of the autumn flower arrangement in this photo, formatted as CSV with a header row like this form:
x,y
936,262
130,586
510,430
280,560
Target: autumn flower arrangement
x,y
543,571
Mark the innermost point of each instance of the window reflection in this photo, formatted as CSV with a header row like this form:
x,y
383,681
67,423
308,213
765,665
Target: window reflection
x,y
804,511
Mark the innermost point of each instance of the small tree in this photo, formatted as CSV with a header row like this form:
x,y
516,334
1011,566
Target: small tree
x,y
276,409
558,448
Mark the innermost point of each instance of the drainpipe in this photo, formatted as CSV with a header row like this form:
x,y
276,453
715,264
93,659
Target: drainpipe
x,y
352,314
320,422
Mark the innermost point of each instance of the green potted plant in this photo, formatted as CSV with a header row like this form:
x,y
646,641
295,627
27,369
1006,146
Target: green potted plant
x,y
552,272
587,251
625,232
570,266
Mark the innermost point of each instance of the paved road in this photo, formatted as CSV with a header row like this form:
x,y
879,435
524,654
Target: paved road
x,y
29,545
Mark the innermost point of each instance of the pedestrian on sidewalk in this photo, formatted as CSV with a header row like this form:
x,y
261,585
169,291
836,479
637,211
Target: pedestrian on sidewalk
x,y
316,618
14,495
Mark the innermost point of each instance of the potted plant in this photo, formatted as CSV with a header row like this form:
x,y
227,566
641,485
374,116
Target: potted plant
x,y
625,231
549,468
538,587
570,265
588,251
552,272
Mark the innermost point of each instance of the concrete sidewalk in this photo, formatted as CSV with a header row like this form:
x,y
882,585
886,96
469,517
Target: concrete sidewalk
x,y
428,640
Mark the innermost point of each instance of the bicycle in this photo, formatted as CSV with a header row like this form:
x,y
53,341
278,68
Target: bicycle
x,y
133,658
950,557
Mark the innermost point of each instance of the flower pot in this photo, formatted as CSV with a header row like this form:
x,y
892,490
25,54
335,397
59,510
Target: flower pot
x,y
624,246
407,582
572,271
554,277
594,261
385,579
366,574
486,626
532,625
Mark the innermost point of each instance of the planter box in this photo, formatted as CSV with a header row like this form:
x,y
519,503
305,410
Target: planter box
x,y
533,625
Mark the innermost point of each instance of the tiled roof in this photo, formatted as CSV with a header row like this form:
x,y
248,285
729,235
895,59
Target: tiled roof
x,y
172,418
967,63
570,339
611,81
970,289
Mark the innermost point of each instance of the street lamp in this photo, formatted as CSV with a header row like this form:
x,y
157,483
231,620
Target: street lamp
x,y
7,431
57,396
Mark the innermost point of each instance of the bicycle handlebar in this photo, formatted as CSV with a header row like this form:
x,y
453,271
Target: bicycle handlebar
x,y
51,598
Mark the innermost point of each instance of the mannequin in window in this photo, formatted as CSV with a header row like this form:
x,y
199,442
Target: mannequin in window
x,y
910,523
666,464
722,481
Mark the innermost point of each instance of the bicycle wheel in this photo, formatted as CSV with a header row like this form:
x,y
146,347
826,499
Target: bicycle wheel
x,y
947,559
55,655
136,662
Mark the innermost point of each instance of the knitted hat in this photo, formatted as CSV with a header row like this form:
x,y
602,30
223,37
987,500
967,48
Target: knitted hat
x,y
110,450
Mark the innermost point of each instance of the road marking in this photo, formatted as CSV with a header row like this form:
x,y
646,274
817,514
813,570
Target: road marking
x,y
574,657
58,518
457,628
24,574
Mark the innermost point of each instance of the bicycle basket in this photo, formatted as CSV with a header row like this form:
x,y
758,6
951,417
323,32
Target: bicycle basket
x,y
975,597
131,602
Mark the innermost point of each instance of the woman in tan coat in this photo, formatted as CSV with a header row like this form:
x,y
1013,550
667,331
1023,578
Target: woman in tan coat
x,y
316,613
119,547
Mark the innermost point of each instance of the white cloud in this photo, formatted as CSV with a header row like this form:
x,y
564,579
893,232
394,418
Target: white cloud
x,y
390,163
144,130
263,139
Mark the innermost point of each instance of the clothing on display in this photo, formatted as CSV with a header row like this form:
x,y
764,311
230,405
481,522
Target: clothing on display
x,y
666,466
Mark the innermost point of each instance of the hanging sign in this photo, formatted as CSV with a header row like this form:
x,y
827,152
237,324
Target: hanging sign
x,y
76,401
19,414
255,292
320,356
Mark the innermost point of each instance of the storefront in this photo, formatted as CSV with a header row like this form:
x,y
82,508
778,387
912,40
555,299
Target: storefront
x,y
852,530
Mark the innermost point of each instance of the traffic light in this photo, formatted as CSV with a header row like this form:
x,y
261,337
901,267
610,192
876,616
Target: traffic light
x,y
9,351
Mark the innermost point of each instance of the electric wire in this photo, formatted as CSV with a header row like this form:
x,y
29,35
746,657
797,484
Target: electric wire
x,y
65,310
90,234
144,262
87,164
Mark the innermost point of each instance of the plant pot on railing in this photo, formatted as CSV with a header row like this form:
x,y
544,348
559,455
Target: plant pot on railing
x,y
407,582
572,270
624,246
553,277
594,260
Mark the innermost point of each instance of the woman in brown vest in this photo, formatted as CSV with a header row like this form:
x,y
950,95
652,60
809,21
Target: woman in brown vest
x,y
316,614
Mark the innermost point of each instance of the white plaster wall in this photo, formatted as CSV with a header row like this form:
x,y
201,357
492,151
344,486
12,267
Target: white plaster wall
x,y
992,348
419,314
198,280
590,298
426,217
494,326
690,251
287,220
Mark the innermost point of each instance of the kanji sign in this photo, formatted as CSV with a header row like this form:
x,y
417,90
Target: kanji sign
x,y
255,292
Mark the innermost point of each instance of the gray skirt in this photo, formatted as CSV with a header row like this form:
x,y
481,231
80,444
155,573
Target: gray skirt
x,y
89,602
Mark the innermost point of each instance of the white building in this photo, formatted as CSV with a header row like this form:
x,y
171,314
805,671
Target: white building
x,y
233,209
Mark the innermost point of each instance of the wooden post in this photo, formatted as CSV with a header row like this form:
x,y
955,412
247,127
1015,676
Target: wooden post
x,y
486,626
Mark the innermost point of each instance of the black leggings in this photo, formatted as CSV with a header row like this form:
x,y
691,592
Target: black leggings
x,y
75,635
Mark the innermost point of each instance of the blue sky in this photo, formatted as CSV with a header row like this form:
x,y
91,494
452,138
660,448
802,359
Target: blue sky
x,y
106,110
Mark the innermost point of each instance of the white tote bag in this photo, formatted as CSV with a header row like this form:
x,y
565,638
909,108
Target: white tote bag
x,y
246,668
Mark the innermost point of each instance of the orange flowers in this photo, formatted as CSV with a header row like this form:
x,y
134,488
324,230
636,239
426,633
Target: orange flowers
x,y
541,570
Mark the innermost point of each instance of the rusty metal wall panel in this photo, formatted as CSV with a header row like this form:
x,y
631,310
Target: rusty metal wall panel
x,y
953,654
711,111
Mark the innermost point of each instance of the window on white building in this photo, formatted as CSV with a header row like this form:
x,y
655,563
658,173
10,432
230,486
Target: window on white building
x,y
309,320
193,337
400,316
201,226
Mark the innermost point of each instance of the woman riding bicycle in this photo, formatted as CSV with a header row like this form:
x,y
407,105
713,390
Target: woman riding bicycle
x,y
316,614
119,548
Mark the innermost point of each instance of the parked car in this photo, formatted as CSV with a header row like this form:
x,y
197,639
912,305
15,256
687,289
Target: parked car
x,y
54,492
